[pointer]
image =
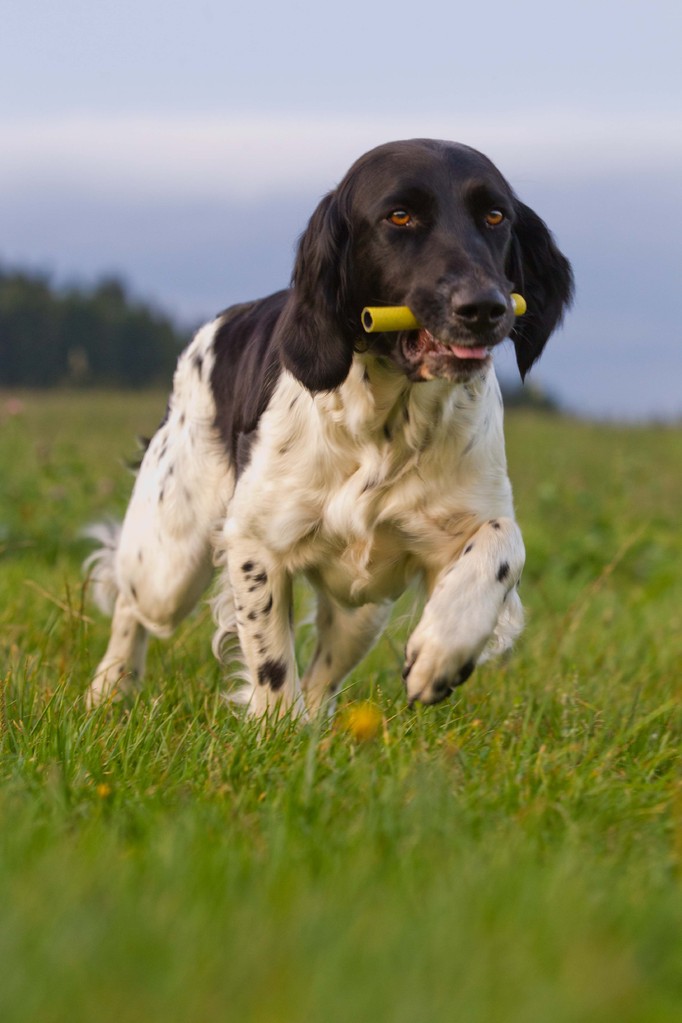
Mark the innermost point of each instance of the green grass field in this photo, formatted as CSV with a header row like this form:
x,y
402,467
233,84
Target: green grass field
x,y
512,855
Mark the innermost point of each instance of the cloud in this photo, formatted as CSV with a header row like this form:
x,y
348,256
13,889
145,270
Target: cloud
x,y
251,157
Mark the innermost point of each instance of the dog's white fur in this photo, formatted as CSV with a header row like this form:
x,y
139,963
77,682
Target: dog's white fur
x,y
364,489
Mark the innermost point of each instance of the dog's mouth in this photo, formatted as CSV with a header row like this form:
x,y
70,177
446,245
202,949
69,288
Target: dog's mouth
x,y
429,358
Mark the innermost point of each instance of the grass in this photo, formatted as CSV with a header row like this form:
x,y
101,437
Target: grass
x,y
512,855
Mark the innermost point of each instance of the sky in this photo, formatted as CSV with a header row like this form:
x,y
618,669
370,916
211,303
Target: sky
x,y
183,146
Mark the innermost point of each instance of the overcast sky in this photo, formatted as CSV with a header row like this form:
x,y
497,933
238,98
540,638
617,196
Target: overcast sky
x,y
184,145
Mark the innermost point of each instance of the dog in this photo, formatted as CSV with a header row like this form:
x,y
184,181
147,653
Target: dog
x,y
296,444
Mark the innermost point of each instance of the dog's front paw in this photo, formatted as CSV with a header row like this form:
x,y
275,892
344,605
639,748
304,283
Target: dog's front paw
x,y
429,678
434,667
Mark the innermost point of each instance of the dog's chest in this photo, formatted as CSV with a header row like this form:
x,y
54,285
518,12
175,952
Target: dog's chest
x,y
370,534
384,522
363,509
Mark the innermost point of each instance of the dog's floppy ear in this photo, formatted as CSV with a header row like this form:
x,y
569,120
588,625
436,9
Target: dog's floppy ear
x,y
315,333
544,277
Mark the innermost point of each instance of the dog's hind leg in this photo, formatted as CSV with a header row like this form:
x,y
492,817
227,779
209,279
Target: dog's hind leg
x,y
344,636
124,661
158,569
162,561
159,574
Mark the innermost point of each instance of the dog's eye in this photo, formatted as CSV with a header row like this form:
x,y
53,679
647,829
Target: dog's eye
x,y
494,218
401,218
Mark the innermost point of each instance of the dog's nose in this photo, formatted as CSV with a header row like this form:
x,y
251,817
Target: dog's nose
x,y
480,310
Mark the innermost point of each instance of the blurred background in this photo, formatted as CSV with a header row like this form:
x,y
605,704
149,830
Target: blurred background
x,y
159,160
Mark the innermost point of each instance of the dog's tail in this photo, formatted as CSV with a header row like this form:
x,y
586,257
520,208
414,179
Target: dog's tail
x,y
100,566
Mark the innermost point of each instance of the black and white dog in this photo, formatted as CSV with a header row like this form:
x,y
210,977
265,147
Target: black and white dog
x,y
296,443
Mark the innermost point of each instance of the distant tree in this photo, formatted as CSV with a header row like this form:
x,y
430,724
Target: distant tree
x,y
81,337
529,396
30,331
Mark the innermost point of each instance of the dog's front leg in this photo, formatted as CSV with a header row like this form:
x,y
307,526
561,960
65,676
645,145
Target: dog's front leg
x,y
263,605
472,612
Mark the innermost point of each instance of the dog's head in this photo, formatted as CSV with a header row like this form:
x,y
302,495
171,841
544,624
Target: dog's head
x,y
434,226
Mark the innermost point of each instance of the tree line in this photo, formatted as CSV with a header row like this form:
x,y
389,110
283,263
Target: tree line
x,y
75,336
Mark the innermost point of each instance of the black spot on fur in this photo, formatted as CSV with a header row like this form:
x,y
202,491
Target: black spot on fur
x,y
134,592
495,524
441,687
198,363
259,579
252,615
464,672
248,566
469,548
268,607
503,571
387,431
272,673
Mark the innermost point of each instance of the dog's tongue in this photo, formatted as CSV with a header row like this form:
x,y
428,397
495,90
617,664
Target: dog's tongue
x,y
463,352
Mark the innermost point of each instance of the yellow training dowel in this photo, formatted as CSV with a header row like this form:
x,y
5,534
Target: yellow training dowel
x,y
377,318
388,317
519,303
